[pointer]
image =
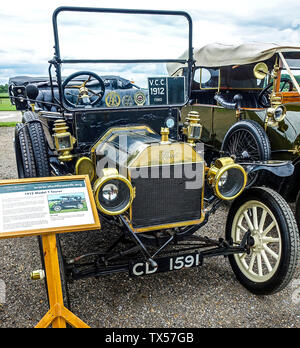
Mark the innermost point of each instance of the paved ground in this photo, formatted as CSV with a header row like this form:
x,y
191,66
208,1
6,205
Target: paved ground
x,y
208,296
10,116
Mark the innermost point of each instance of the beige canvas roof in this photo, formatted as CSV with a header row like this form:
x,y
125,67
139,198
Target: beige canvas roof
x,y
217,54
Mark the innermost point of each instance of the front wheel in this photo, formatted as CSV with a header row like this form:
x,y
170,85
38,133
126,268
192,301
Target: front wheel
x,y
274,241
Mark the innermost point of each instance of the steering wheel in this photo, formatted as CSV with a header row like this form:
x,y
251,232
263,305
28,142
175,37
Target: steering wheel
x,y
264,95
86,90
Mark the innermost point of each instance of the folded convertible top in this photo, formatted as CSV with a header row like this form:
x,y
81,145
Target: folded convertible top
x,y
218,54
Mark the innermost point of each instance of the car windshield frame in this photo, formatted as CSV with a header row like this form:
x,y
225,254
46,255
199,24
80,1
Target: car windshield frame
x,y
289,70
57,62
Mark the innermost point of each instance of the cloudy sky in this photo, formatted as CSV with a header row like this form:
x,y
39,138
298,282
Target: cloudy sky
x,y
27,36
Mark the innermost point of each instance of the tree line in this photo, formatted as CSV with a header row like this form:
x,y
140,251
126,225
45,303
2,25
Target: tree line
x,y
4,88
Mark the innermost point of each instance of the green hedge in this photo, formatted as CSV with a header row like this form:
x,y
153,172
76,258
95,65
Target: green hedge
x,y
5,104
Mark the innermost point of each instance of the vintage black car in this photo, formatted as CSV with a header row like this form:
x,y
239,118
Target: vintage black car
x,y
248,97
152,177
67,202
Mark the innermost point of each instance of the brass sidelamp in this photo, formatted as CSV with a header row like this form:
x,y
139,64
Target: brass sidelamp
x,y
63,140
192,128
277,112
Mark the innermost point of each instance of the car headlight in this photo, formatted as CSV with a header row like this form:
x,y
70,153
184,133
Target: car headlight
x,y
277,113
227,178
113,193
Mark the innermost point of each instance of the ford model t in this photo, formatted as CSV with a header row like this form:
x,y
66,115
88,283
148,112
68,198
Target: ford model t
x,y
67,202
152,178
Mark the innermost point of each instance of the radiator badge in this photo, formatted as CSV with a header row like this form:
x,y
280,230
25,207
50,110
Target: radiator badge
x,y
167,156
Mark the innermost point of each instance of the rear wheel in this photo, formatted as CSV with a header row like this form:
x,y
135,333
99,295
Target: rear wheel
x,y
248,141
24,152
57,208
274,250
298,210
39,144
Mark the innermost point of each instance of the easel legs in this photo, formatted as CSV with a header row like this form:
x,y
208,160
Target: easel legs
x,y
58,314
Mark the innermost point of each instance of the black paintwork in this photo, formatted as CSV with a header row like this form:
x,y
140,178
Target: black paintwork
x,y
90,126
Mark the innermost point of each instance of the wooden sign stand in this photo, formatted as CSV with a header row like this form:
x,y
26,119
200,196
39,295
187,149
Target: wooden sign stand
x,y
58,315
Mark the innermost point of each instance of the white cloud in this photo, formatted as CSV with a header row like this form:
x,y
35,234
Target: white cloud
x,y
27,41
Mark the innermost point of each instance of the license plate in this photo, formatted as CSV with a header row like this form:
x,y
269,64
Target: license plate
x,y
165,264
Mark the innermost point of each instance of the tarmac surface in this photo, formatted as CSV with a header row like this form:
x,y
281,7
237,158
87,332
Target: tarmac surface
x,y
10,116
208,296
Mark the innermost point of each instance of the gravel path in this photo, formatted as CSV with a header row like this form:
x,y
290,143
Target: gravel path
x,y
208,296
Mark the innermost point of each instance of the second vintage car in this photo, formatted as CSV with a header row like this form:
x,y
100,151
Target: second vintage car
x,y
248,98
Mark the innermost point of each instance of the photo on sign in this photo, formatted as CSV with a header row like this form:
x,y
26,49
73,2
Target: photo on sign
x,y
67,203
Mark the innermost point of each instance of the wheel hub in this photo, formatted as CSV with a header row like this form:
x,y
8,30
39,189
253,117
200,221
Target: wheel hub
x,y
245,154
258,242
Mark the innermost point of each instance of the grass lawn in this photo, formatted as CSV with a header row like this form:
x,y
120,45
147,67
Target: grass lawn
x,y
5,104
8,124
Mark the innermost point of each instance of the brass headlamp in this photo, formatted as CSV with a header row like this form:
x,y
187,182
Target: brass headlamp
x,y
63,140
227,178
276,113
113,192
192,127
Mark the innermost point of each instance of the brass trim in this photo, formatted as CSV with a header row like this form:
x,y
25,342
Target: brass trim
x,y
164,132
166,164
60,131
165,154
192,123
110,131
166,226
215,173
112,99
79,162
101,181
295,150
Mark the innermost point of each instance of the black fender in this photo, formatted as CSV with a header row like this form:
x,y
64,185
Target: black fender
x,y
282,169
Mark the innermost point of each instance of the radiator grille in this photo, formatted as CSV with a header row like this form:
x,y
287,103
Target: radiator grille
x,y
165,200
